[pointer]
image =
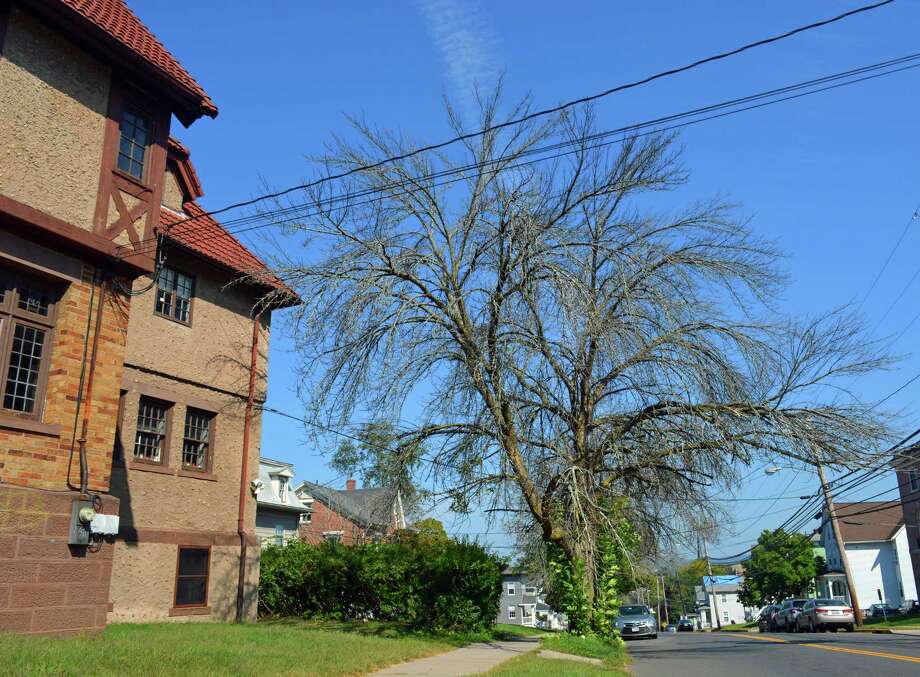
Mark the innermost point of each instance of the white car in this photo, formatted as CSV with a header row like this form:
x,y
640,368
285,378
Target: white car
x,y
825,614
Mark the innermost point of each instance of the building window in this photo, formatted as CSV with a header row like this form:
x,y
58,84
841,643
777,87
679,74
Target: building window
x,y
283,489
724,599
306,518
335,536
725,617
279,535
530,590
913,479
512,612
27,312
174,295
192,576
150,439
512,590
196,440
132,145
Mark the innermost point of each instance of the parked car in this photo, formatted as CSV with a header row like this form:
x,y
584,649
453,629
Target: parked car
x,y
882,610
685,625
910,606
825,614
789,611
766,621
671,628
636,621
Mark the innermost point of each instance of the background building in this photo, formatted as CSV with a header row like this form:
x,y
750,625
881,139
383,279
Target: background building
x,y
350,516
279,511
719,594
878,550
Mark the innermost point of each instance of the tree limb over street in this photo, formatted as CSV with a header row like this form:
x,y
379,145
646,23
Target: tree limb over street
x,y
572,343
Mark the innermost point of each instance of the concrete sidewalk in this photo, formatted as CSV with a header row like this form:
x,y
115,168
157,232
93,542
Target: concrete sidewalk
x,y
470,660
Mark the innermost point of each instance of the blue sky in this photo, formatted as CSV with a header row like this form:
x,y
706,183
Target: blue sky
x,y
833,178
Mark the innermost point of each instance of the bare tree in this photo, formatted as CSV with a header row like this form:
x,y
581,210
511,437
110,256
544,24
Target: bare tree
x,y
571,342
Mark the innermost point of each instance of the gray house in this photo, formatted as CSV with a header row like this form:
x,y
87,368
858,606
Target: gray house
x,y
519,600
279,512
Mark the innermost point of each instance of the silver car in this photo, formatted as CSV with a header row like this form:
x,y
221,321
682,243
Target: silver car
x,y
636,621
825,614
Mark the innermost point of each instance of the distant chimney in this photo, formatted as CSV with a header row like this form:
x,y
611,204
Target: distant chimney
x,y
349,485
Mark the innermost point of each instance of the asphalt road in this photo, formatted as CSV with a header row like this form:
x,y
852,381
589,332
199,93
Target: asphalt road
x,y
701,654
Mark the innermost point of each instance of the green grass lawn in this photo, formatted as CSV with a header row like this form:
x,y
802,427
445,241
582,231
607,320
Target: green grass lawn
x,y
531,665
273,648
503,631
912,621
613,652
739,626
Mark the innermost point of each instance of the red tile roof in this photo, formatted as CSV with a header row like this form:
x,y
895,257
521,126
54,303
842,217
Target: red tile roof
x,y
208,238
119,22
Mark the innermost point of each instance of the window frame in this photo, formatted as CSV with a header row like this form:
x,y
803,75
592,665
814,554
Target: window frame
x,y
209,455
207,577
512,612
913,479
511,589
11,314
167,433
132,106
337,536
191,299
530,591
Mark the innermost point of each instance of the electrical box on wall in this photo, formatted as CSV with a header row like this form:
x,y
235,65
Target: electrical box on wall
x,y
105,525
81,514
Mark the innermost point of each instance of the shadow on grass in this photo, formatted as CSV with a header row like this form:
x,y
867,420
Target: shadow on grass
x,y
391,630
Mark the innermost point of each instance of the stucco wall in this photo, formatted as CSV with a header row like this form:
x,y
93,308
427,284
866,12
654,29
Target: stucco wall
x,y
173,501
144,577
172,193
53,101
216,348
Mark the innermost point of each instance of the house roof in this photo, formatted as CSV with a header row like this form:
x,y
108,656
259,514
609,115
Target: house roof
x,y
364,507
113,22
267,496
880,525
200,233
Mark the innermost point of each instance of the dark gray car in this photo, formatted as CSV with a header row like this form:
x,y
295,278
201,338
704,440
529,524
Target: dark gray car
x,y
636,621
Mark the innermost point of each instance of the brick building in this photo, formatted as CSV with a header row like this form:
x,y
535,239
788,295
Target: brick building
x,y
87,177
907,467
350,516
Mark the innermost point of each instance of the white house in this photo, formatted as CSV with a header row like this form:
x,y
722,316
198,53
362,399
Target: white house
x,y
279,511
718,596
878,550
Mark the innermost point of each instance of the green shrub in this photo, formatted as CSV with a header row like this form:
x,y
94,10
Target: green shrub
x,y
440,585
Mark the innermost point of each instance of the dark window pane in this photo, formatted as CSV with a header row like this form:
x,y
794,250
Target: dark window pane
x,y
24,368
34,299
191,590
195,443
193,561
132,146
151,430
174,294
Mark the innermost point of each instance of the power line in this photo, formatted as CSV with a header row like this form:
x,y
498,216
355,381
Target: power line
x,y
891,254
548,111
624,131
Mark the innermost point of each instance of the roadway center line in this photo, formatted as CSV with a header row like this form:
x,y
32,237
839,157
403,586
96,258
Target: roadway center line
x,y
841,649
862,652
769,639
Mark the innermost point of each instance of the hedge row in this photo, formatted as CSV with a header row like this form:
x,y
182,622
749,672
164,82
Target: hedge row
x,y
448,586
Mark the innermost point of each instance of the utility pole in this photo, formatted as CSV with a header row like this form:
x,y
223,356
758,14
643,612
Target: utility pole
x,y
714,609
667,620
657,604
832,514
